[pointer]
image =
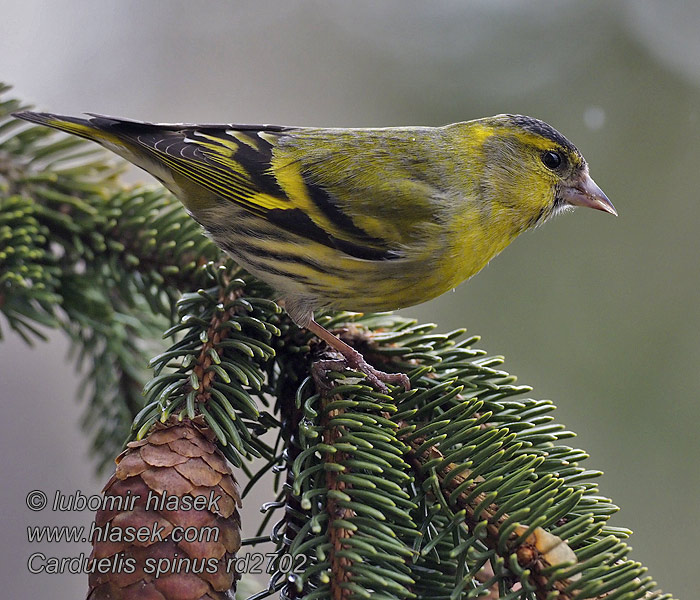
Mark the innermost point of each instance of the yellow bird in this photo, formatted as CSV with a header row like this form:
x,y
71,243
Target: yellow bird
x,y
357,219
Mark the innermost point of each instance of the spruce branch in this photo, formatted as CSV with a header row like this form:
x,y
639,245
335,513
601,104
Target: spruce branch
x,y
491,486
81,252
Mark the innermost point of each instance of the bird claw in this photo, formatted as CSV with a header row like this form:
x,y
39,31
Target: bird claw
x,y
319,369
379,378
375,377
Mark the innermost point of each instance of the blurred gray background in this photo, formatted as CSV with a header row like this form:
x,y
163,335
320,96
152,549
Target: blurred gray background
x,y
599,314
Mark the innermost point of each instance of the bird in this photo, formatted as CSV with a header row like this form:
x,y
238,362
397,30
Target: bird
x,y
356,219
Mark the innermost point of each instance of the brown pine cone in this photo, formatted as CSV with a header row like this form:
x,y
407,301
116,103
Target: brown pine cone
x,y
169,526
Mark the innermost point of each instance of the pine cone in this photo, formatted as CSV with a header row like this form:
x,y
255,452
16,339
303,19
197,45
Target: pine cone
x,y
169,526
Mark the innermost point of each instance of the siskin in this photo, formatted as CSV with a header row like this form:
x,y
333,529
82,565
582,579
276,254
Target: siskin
x,y
357,219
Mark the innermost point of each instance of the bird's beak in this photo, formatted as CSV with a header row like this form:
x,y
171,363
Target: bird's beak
x,y
585,192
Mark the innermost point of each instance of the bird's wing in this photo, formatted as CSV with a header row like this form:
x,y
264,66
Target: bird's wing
x,y
326,185
343,188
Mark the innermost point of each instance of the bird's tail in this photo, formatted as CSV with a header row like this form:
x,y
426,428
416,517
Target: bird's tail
x,y
96,128
121,136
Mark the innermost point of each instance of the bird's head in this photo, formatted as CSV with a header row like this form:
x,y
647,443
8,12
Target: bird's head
x,y
531,171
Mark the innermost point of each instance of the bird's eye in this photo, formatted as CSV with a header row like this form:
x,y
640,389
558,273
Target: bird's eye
x,y
552,160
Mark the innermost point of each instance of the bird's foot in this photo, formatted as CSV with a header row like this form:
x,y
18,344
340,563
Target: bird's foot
x,y
320,368
376,378
357,362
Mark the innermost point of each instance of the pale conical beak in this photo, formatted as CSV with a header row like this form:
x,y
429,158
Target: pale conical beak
x,y
585,192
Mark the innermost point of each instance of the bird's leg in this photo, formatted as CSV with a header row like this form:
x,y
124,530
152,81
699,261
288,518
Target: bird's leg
x,y
357,362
